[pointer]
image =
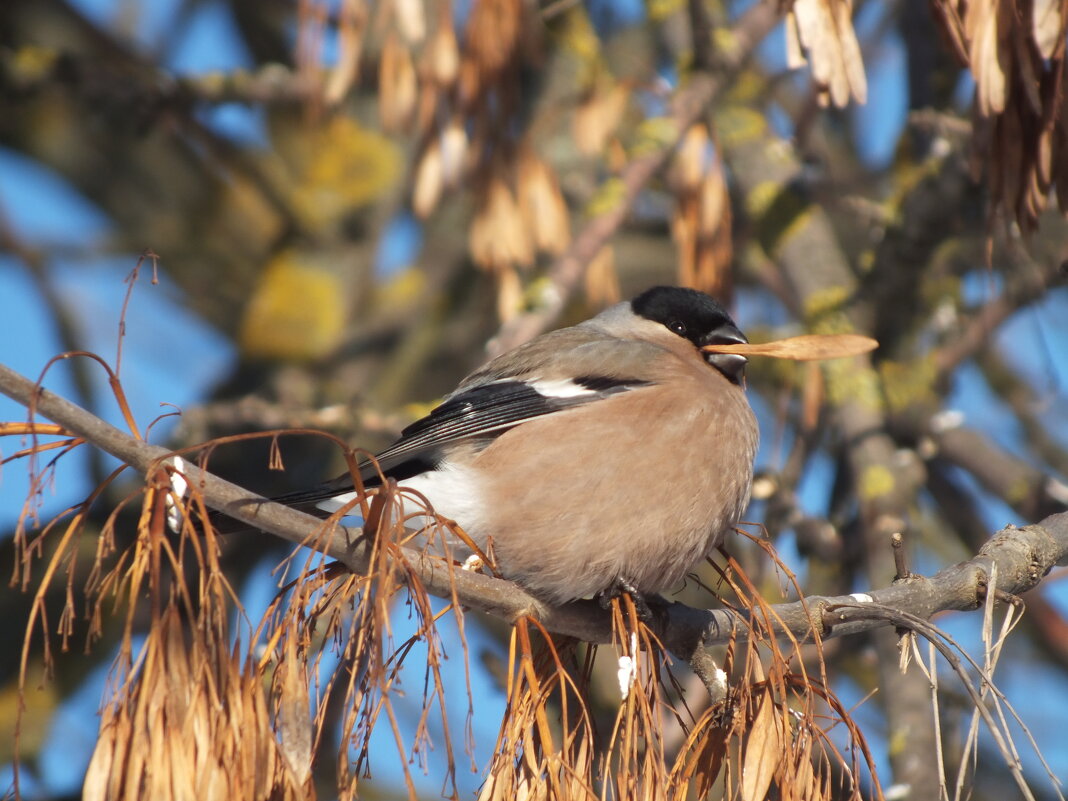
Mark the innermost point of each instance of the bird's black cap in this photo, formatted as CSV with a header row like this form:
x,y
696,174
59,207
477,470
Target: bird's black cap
x,y
695,316
687,312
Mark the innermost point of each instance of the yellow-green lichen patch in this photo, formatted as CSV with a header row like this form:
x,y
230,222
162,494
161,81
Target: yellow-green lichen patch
x,y
780,212
848,383
909,384
761,197
876,481
737,126
1018,492
609,196
824,311
653,135
789,216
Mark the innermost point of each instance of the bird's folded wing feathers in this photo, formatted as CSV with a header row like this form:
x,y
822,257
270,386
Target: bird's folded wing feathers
x,y
489,409
474,413
554,372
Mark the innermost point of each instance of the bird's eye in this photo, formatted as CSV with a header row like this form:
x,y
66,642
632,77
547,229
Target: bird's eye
x,y
678,327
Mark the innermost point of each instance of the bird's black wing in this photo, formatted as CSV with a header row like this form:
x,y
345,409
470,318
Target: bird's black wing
x,y
488,410
477,414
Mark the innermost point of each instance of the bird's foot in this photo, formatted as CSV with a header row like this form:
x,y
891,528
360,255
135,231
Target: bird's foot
x,y
642,605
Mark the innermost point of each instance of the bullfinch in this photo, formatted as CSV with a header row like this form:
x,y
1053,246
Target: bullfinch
x,y
612,455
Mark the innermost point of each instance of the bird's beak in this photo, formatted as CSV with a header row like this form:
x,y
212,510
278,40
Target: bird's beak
x,y
732,365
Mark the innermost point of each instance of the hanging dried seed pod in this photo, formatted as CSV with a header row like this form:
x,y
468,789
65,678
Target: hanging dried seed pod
x,y
542,204
498,237
411,20
398,86
597,118
429,180
441,58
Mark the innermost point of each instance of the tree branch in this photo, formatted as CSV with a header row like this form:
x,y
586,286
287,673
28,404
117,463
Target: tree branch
x,y
1022,555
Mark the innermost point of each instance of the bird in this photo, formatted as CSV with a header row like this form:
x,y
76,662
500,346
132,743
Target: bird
x,y
613,455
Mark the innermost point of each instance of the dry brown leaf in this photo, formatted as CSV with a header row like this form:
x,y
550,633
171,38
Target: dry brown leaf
x,y
1010,156
294,723
692,159
988,57
350,29
192,725
453,152
398,86
816,22
1026,82
951,24
684,232
805,779
701,221
429,180
542,205
509,293
615,156
100,775
468,83
1015,53
597,118
823,30
795,53
715,253
601,280
715,213
498,237
1047,26
852,59
807,347
492,35
1044,158
764,749
411,20
442,56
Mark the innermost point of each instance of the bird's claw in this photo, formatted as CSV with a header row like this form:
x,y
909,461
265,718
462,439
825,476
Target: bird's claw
x,y
621,586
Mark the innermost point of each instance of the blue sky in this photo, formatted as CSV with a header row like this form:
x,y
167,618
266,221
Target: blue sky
x,y
171,355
